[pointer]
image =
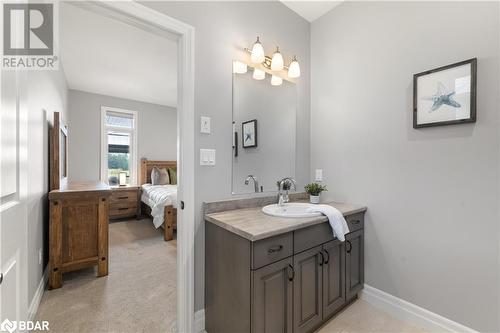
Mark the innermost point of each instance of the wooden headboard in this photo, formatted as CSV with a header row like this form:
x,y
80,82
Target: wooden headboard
x,y
147,167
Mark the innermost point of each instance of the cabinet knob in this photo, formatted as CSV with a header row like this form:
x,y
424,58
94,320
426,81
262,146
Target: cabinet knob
x,y
1,278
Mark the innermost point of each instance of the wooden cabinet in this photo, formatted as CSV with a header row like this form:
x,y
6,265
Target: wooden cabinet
x,y
124,202
307,289
333,278
355,273
78,229
292,282
272,296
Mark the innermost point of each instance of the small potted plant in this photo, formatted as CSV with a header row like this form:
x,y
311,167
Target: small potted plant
x,y
314,190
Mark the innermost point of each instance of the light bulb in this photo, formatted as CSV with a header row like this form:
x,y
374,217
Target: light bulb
x,y
294,68
277,61
257,56
239,67
258,74
276,80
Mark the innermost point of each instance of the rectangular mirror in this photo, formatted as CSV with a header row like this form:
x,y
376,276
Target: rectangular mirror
x,y
264,132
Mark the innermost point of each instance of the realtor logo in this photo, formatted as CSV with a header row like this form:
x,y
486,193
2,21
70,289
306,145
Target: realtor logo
x,y
8,326
28,36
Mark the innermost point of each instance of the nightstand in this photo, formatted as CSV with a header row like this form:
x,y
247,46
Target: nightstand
x,y
125,201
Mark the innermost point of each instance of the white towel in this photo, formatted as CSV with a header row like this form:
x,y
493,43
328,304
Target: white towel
x,y
336,219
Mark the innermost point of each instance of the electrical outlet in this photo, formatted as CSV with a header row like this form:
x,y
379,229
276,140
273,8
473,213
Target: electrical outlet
x,y
319,175
40,256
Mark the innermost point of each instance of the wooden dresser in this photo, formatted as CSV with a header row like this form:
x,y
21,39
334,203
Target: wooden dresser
x,y
78,229
125,202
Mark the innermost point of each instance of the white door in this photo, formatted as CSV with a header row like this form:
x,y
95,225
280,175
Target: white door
x,y
13,214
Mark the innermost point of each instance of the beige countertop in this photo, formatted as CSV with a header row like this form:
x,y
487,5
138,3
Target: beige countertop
x,y
253,224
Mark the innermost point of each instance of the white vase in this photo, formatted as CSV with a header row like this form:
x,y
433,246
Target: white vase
x,y
314,199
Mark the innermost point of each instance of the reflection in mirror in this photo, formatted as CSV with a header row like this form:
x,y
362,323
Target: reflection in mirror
x,y
264,126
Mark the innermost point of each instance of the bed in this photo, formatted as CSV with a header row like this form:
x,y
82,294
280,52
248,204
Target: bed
x,y
159,201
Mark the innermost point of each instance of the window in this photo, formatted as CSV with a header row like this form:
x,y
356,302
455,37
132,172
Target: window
x,y
118,145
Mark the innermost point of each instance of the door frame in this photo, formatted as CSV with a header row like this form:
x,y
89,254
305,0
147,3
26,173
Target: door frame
x,y
139,15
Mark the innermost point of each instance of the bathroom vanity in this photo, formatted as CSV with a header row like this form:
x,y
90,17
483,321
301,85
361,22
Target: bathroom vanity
x,y
278,274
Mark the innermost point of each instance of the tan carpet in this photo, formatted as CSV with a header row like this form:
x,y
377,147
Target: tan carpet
x,y
138,295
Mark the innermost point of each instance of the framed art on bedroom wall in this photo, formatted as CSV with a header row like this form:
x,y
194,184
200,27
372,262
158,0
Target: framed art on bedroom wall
x,y
445,95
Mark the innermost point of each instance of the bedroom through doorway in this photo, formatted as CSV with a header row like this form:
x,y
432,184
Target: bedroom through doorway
x,y
122,121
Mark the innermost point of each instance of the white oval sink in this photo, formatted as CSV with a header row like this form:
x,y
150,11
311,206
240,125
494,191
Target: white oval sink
x,y
292,209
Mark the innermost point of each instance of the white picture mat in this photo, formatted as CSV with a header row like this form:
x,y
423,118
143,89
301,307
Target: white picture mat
x,y
456,79
249,128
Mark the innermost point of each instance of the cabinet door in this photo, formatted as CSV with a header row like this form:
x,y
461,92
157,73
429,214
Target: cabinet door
x,y
307,289
272,300
333,277
354,263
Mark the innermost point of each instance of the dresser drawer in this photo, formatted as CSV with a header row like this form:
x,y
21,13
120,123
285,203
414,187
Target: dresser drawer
x,y
124,195
355,222
115,212
269,250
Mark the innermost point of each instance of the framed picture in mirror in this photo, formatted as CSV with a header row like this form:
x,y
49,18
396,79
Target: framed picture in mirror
x,y
249,133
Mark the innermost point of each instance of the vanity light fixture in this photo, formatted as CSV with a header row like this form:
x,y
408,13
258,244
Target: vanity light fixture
x,y
276,80
277,61
257,55
239,67
258,74
294,68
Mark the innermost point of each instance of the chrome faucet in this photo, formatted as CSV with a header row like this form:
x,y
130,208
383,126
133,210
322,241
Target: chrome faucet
x,y
255,182
283,197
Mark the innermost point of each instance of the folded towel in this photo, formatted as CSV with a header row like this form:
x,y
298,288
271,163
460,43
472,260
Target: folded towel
x,y
336,219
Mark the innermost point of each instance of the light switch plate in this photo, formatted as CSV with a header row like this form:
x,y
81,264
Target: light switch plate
x,y
319,175
205,125
207,157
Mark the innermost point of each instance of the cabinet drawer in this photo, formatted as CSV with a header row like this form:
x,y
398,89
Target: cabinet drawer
x,y
312,236
321,233
269,250
122,212
123,204
355,222
129,196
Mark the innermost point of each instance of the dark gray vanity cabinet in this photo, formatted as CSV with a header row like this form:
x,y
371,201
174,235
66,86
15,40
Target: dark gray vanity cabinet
x,y
334,296
355,273
272,298
288,283
307,289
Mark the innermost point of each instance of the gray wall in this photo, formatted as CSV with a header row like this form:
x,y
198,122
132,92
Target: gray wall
x,y
432,194
157,131
46,93
223,29
275,108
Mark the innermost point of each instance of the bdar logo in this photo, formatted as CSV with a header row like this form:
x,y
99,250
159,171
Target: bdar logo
x,y
8,326
28,29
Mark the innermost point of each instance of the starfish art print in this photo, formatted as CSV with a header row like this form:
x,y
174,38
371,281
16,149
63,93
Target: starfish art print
x,y
442,97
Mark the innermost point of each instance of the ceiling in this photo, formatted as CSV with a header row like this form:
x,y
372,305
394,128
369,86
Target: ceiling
x,y
311,10
102,55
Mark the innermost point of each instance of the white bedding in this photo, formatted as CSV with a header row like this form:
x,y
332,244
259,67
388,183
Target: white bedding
x,y
157,197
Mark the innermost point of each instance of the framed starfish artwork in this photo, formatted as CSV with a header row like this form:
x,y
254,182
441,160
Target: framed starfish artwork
x,y
445,95
249,133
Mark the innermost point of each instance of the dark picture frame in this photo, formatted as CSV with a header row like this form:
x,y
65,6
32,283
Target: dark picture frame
x,y
443,98
249,128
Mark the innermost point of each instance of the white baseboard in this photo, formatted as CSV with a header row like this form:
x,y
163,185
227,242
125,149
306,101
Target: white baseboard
x,y
35,302
199,321
411,313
